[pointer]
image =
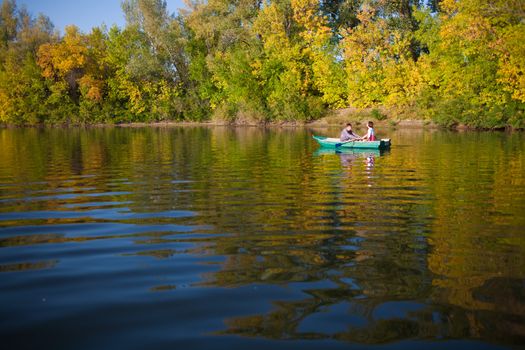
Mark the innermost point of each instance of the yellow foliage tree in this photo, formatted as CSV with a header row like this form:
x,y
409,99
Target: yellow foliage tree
x,y
58,60
328,74
379,64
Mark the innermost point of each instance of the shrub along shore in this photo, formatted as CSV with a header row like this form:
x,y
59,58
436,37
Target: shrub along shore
x,y
452,63
333,118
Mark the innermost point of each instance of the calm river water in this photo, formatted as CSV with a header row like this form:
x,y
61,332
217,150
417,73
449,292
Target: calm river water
x,y
158,238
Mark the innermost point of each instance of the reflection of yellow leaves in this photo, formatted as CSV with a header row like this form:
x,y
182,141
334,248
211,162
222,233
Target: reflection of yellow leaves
x,y
271,273
459,291
163,288
28,266
244,323
362,255
159,253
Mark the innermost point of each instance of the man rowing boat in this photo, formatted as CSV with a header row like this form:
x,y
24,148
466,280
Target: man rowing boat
x,y
348,135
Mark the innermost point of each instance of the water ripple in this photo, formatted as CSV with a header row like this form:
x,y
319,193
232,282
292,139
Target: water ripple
x,y
241,237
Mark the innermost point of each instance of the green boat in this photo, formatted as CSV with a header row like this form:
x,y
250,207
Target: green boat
x,y
329,142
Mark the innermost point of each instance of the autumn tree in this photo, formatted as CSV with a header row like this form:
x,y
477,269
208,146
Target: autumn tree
x,y
452,61
475,64
22,88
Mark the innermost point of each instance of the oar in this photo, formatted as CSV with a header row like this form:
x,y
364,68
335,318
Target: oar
x,y
342,143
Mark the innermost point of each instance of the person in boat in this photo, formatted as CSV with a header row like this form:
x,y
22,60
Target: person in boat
x,y
370,135
348,135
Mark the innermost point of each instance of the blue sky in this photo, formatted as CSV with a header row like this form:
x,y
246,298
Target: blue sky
x,y
85,14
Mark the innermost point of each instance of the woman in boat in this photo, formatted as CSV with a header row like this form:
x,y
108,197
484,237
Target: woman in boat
x,y
370,135
348,135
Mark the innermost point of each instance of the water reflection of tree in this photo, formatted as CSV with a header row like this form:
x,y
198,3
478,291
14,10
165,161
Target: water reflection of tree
x,y
477,245
324,235
397,263
279,215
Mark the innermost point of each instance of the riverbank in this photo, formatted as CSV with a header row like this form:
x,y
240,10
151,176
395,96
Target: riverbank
x,y
382,119
320,123
333,118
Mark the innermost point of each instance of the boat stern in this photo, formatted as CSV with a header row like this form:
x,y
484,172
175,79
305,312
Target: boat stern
x,y
384,143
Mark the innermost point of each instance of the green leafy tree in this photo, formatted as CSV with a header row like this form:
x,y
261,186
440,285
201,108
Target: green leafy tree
x,y
474,62
22,88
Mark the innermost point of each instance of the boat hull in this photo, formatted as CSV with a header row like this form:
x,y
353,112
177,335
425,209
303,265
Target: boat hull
x,y
328,142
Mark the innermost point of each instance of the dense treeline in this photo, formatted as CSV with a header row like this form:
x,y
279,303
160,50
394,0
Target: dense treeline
x,y
449,61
